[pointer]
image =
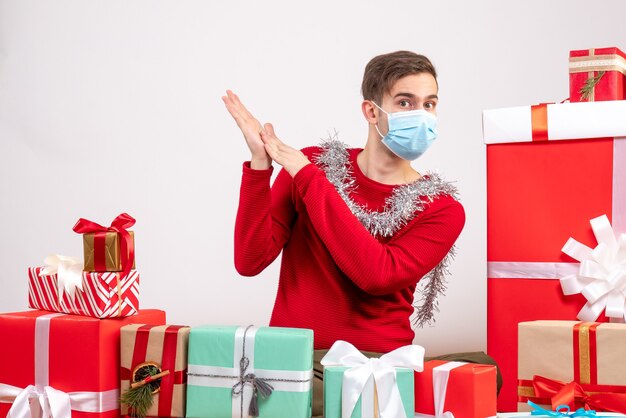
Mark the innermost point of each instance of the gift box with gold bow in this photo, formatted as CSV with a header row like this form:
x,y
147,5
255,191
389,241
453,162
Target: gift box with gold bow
x,y
597,74
578,364
62,366
154,369
550,170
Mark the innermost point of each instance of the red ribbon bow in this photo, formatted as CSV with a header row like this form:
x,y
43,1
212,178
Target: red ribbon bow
x,y
574,395
119,225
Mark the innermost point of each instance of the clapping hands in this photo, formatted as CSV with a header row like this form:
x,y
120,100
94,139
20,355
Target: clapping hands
x,y
262,141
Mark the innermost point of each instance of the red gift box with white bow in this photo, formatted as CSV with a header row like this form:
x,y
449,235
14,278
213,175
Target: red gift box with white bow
x,y
551,169
52,364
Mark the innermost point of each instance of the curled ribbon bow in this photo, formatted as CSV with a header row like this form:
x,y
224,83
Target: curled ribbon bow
x,y
382,370
119,225
69,271
602,274
561,411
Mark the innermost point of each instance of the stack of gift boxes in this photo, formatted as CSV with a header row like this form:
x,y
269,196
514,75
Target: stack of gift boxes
x,y
87,350
556,190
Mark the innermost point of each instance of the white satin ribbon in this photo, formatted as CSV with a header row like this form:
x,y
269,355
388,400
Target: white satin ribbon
x,y
601,277
243,337
441,375
69,271
43,401
47,402
364,372
200,375
529,270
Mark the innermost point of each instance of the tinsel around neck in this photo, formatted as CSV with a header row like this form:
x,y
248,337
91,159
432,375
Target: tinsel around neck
x,y
404,203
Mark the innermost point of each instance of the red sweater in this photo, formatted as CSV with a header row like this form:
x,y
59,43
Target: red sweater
x,y
335,277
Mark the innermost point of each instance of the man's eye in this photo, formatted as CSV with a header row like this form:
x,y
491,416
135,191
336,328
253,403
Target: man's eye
x,y
429,105
405,103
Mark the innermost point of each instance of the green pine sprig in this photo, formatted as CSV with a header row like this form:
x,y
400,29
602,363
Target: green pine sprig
x,y
587,89
140,399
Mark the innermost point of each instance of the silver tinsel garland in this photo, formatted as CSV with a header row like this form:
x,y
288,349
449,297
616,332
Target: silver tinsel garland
x,y
404,203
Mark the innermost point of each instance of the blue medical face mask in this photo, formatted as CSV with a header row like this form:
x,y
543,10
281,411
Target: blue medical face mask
x,y
410,133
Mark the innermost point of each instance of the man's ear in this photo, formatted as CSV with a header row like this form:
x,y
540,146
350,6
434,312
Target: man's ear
x,y
369,111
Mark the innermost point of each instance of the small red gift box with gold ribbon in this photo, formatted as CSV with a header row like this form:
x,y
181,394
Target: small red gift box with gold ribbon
x,y
597,74
579,364
155,356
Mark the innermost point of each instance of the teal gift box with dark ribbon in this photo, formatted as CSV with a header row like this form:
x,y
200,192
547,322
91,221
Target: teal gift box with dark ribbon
x,y
249,371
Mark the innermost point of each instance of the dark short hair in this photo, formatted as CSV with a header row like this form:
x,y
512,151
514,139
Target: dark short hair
x,y
384,70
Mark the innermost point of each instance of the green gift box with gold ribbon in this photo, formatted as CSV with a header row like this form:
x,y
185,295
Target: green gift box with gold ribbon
x,y
249,371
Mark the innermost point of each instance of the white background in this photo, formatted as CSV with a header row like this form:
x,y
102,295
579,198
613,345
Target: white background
x,y
114,106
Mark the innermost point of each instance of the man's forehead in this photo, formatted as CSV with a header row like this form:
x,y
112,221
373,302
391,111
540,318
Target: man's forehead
x,y
414,85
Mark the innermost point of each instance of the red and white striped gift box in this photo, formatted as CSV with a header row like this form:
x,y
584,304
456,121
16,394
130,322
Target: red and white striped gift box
x,y
103,294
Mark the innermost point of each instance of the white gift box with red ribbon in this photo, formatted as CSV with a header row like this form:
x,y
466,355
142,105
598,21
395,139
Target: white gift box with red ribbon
x,y
555,122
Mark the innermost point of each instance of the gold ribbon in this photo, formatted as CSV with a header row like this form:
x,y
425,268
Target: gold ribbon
x,y
584,356
611,62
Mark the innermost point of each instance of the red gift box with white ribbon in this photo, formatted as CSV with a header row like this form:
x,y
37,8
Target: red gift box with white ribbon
x,y
551,168
454,388
66,366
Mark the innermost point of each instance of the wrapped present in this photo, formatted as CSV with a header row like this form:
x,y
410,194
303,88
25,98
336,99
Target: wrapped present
x,y
578,364
465,390
550,169
148,351
597,74
108,248
67,289
561,413
240,371
62,365
359,387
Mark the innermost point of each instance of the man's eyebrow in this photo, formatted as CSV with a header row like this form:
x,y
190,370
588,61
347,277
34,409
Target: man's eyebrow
x,y
412,96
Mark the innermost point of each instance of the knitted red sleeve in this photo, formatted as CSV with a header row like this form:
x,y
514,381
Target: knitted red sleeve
x,y
379,268
264,219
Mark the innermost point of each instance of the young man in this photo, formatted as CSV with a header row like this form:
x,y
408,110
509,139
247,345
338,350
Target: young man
x,y
358,228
